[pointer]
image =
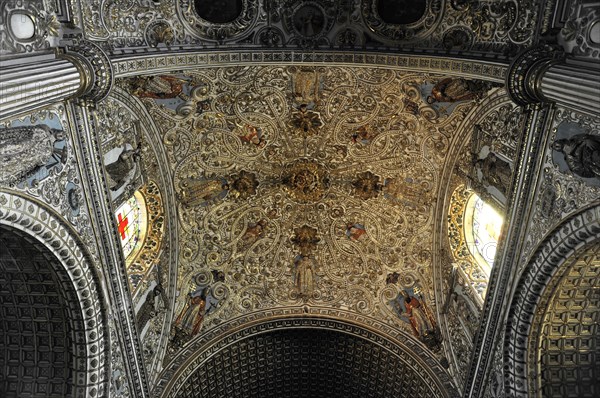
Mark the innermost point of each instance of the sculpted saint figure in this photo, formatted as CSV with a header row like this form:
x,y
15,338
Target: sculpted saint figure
x,y
495,172
158,87
457,89
123,169
303,278
197,192
24,149
417,316
582,154
191,317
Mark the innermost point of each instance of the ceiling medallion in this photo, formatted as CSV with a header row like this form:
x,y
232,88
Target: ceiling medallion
x,y
306,181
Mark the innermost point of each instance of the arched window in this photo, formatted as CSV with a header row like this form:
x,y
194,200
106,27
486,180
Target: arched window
x,y
473,231
132,224
482,231
141,224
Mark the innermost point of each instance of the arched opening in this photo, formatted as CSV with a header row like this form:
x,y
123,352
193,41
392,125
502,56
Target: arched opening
x,y
401,12
37,333
551,337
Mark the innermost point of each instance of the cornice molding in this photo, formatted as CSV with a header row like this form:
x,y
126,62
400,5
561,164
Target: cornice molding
x,y
169,61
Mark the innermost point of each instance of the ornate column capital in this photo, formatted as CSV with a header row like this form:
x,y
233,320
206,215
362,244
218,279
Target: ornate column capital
x,y
524,77
94,65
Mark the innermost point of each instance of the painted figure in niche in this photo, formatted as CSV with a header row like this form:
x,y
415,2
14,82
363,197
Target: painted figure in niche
x,y
202,192
199,303
495,172
582,154
458,89
157,87
191,316
123,169
254,232
244,185
306,121
354,232
252,135
367,185
305,238
413,308
23,150
406,190
364,135
303,277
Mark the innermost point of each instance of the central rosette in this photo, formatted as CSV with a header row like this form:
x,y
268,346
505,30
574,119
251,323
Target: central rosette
x,y
305,181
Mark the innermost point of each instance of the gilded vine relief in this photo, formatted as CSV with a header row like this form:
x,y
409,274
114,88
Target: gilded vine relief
x,y
276,210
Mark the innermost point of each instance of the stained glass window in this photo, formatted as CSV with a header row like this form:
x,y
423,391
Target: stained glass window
x,y
131,221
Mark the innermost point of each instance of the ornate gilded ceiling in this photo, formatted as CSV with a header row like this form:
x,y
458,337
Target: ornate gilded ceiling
x,y
305,186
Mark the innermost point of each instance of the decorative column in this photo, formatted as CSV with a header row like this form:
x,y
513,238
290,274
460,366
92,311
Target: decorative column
x,y
81,71
543,74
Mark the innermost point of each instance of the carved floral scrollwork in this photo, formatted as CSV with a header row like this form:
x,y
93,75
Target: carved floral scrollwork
x,y
579,35
138,269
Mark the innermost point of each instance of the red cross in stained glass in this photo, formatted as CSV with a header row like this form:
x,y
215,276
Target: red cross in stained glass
x,y
122,225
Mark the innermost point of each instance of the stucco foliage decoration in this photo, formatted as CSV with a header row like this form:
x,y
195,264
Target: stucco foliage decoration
x,y
249,184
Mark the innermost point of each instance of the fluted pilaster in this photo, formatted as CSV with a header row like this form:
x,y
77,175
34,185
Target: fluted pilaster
x,y
25,86
27,83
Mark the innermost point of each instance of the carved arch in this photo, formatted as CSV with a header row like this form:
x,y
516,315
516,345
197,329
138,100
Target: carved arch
x,y
576,232
81,283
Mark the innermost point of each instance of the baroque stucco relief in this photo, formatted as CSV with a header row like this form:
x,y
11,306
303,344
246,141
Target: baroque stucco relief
x,y
302,186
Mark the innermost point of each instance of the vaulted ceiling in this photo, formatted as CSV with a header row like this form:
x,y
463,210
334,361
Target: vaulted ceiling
x,y
307,186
